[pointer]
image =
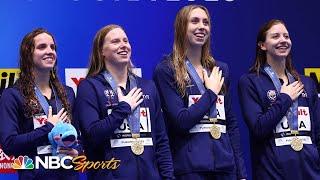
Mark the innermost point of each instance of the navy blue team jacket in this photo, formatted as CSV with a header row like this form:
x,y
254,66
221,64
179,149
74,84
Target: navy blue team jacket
x,y
18,136
262,112
198,152
91,109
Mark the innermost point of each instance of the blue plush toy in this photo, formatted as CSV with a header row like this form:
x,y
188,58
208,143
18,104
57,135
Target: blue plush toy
x,y
62,135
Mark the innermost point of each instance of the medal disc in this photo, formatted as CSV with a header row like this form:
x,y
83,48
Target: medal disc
x,y
296,144
137,147
215,132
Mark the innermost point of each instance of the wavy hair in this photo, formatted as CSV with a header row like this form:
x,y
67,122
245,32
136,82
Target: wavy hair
x,y
26,80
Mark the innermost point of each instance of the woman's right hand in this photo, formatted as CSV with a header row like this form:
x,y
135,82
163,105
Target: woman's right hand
x,y
293,90
53,119
133,98
215,81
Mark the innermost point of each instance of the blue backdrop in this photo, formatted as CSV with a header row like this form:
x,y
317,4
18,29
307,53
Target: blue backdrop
x,y
149,26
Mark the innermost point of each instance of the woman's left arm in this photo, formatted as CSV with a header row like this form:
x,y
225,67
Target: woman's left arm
x,y
77,150
233,129
315,110
163,154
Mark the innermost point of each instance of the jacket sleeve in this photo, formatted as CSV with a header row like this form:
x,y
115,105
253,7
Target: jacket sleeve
x,y
233,129
315,110
74,122
163,153
260,122
88,113
12,140
182,118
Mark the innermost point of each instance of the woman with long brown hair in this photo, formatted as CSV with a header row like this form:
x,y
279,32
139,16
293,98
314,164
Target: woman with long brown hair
x,y
193,86
281,109
32,107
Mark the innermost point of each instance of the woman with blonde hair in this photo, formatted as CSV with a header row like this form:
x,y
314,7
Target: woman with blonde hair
x,y
120,115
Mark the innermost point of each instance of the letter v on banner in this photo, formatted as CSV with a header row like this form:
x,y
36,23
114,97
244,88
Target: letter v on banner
x,y
75,75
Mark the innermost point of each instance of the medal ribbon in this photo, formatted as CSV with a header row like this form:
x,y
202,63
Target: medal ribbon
x,y
134,117
194,75
292,114
43,102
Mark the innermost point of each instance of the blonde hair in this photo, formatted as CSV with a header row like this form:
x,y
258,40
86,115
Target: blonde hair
x,y
97,63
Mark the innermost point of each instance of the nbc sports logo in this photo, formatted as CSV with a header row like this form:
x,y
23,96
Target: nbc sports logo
x,y
22,162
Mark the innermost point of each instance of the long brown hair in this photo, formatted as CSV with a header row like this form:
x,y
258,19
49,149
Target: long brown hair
x,y
26,77
261,56
180,47
97,63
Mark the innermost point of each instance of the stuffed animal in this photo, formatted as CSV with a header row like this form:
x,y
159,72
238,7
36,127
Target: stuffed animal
x,y
62,135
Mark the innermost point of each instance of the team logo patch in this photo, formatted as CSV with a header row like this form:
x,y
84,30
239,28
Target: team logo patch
x,y
304,94
109,93
272,95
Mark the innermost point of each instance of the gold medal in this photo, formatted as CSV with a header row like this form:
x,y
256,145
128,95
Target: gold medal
x,y
137,145
215,132
296,144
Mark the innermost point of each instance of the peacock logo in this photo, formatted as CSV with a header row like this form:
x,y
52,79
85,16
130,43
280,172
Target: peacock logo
x,y
22,162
